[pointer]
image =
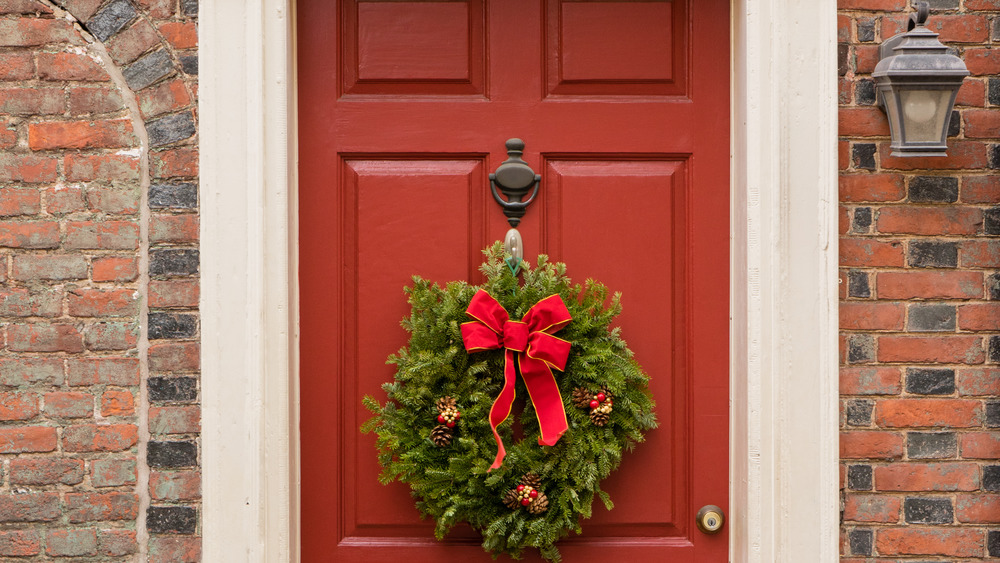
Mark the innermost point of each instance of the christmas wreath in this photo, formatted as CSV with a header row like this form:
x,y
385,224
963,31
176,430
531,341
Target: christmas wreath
x,y
526,480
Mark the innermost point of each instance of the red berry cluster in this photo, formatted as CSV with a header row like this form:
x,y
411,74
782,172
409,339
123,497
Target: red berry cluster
x,y
449,417
600,399
526,493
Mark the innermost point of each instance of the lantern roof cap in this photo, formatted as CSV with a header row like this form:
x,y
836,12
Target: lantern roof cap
x,y
917,52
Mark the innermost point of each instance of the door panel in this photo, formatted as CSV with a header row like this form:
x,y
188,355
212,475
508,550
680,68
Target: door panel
x,y
404,109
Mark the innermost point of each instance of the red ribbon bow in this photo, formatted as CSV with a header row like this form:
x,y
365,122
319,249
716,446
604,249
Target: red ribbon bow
x,y
529,345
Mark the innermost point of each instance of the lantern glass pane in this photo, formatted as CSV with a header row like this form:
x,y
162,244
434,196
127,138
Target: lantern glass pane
x,y
924,114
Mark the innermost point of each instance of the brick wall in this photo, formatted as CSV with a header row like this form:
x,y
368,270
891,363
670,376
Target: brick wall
x,y
99,415
920,304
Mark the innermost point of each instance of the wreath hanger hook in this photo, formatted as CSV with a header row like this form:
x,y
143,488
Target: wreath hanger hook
x,y
515,178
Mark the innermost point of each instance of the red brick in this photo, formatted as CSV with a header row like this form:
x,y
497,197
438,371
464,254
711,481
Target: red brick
x,y
971,93
870,252
116,543
871,187
61,199
941,349
981,123
960,28
69,405
863,122
174,356
24,7
117,402
99,438
128,44
87,168
21,302
174,549
91,507
871,315
8,134
914,540
110,133
29,267
882,5
871,508
937,220
175,485
180,35
29,507
981,61
978,508
930,285
27,168
18,406
32,101
948,476
843,154
44,337
81,9
76,542
111,336
113,472
871,445
866,57
46,471
165,97
843,28
19,372
173,293
844,220
15,440
159,9
86,302
174,420
913,413
869,381
104,235
19,543
30,31
113,201
965,155
981,189
40,234
174,163
70,66
979,253
978,381
19,201
173,228
981,445
92,100
979,316
16,65
103,371
982,4
114,268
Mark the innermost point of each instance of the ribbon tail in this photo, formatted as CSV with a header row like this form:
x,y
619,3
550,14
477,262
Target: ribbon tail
x,y
545,397
502,405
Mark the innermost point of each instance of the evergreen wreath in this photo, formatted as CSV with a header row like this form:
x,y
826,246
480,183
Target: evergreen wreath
x,y
434,431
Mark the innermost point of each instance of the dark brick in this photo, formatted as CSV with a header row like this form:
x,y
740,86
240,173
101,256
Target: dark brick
x,y
862,220
171,129
864,155
861,542
993,539
932,254
190,64
859,477
931,445
991,477
931,318
866,30
172,454
954,124
861,348
111,19
859,412
933,189
992,415
172,325
182,195
995,30
857,284
174,262
173,389
171,519
864,92
993,286
991,221
843,51
993,350
994,152
994,90
942,4
928,510
148,69
930,381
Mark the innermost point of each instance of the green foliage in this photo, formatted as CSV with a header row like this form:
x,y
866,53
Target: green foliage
x,y
453,484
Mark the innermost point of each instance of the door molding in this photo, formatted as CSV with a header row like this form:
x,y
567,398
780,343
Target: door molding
x,y
784,377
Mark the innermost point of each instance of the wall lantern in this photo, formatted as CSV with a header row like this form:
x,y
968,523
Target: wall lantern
x,y
917,80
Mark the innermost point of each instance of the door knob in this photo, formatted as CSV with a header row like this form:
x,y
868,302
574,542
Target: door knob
x,y
710,519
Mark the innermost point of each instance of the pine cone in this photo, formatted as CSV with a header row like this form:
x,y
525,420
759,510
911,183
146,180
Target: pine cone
x,y
539,504
445,403
511,500
441,435
582,398
600,416
531,480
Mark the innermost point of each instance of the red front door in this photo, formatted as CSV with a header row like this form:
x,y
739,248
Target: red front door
x,y
404,108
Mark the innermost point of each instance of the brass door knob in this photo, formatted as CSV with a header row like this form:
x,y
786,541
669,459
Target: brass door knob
x,y
710,519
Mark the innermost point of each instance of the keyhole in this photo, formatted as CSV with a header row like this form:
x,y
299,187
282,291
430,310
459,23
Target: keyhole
x,y
711,522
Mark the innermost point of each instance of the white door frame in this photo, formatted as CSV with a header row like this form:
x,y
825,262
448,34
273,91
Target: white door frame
x,y
784,393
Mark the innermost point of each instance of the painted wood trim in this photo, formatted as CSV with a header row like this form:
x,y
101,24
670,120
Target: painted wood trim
x,y
784,293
